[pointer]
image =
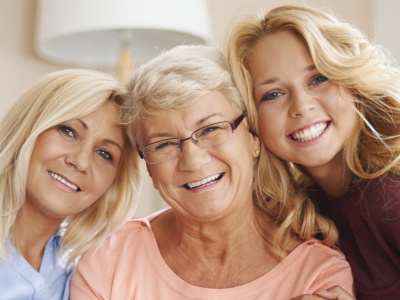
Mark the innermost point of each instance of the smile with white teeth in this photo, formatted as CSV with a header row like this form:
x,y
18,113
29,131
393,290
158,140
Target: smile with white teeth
x,y
310,132
204,182
63,181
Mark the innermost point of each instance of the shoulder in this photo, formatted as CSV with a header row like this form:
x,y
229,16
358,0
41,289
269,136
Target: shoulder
x,y
131,227
129,242
380,197
133,233
385,181
316,255
320,265
19,280
316,248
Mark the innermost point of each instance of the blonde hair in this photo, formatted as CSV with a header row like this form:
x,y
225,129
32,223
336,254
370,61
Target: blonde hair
x,y
56,98
342,54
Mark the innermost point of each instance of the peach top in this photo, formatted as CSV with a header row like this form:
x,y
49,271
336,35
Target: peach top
x,y
128,265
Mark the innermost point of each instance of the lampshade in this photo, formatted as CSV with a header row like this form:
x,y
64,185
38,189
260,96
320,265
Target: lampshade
x,y
90,33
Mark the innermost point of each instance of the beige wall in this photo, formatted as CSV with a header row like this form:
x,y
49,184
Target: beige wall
x,y
357,12
20,67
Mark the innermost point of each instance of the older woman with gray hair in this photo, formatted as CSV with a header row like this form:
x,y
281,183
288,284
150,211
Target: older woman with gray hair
x,y
217,240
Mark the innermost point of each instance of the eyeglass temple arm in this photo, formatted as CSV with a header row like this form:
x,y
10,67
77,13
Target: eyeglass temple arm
x,y
141,155
236,122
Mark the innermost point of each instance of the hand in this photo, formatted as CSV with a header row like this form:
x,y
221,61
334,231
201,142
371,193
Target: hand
x,y
333,293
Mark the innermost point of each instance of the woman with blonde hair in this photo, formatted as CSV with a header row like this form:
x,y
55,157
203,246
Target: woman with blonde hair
x,y
327,102
216,241
68,179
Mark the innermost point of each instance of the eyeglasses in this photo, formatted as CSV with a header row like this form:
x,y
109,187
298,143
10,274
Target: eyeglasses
x,y
208,136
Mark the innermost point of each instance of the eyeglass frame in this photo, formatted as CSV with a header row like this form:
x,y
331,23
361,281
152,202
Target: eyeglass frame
x,y
234,125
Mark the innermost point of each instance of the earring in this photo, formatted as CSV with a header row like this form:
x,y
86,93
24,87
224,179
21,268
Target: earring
x,y
257,153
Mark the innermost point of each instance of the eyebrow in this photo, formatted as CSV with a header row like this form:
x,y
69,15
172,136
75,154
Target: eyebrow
x,y
267,81
203,120
274,78
199,123
310,68
107,141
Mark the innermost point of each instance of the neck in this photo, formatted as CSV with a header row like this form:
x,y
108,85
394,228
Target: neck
x,y
220,253
333,178
32,233
233,227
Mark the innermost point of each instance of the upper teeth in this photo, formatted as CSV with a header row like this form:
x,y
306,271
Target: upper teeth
x,y
310,133
205,181
62,180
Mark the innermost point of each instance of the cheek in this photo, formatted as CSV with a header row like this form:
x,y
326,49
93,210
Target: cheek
x,y
104,179
160,173
269,121
344,108
272,129
349,119
336,99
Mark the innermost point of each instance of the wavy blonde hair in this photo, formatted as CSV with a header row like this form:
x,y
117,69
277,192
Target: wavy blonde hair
x,y
56,98
344,55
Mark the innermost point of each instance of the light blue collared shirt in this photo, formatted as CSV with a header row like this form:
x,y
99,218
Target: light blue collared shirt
x,y
19,281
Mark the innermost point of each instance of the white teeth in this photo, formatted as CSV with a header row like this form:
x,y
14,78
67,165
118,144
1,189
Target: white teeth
x,y
310,133
203,182
62,180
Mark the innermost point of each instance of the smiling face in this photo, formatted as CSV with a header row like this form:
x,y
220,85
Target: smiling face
x,y
202,183
304,118
74,163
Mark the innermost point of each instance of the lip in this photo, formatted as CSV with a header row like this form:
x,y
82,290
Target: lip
x,y
310,133
202,183
64,182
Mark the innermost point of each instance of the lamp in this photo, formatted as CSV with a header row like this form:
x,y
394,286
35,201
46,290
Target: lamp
x,y
91,33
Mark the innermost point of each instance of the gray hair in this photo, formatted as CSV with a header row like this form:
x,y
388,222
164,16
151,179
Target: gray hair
x,y
175,79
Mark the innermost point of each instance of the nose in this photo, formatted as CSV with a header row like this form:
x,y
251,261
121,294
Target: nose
x,y
301,103
79,158
192,157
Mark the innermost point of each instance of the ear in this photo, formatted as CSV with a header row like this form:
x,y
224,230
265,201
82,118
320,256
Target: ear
x,y
254,141
256,146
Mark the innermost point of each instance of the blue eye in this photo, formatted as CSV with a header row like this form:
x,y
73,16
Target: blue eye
x,y
319,79
67,130
105,154
271,96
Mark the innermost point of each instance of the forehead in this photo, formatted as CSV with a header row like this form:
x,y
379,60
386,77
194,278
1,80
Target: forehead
x,y
209,108
282,45
104,122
